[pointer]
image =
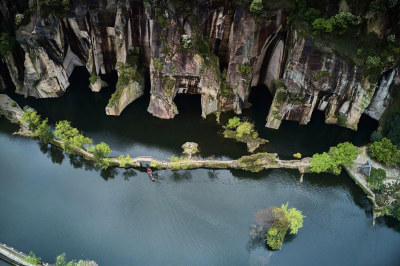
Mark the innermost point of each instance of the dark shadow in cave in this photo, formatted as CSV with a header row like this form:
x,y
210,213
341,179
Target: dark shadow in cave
x,y
188,104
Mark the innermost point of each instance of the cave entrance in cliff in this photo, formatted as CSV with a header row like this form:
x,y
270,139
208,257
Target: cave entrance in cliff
x,y
188,104
260,99
188,97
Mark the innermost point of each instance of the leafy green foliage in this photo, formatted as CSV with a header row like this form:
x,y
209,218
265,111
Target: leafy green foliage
x,y
127,73
318,75
342,120
394,209
18,19
93,78
280,96
283,220
7,44
343,154
339,23
275,238
373,62
376,178
14,104
322,25
375,136
277,84
297,155
39,128
343,20
44,132
79,141
391,38
158,65
245,70
61,260
321,163
32,119
233,123
64,130
311,14
377,7
59,8
70,136
32,259
295,218
385,151
392,129
245,128
256,7
100,152
124,161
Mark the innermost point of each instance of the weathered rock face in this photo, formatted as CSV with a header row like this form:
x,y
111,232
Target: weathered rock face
x,y
314,79
10,109
129,93
240,41
97,85
382,98
217,50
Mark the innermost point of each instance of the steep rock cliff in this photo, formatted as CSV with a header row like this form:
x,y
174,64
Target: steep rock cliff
x,y
213,48
315,79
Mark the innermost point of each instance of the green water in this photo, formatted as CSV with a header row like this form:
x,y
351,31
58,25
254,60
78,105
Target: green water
x,y
52,203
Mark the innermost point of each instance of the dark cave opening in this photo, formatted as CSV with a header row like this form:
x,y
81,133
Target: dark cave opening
x,y
188,104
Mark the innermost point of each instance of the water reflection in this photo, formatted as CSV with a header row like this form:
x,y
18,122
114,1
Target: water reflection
x,y
128,174
212,174
389,222
85,110
78,161
55,153
181,175
109,173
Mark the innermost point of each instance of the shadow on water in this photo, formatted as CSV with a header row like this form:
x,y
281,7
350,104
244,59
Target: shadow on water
x,y
181,175
344,182
7,127
389,222
306,139
212,174
135,126
109,173
242,174
56,154
128,174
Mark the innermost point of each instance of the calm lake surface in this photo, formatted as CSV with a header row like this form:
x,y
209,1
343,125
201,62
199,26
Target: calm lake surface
x,y
52,203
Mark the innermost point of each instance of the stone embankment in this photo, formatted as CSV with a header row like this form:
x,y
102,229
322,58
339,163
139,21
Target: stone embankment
x,y
14,256
393,176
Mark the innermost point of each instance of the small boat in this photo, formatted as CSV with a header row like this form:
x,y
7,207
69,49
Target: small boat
x,y
150,172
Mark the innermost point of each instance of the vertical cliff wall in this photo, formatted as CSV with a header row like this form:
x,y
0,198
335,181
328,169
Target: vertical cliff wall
x,y
213,48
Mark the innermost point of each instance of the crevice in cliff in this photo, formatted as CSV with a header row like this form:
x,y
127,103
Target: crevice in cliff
x,y
260,99
270,49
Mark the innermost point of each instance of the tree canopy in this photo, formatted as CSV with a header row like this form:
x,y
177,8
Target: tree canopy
x,y
385,151
376,178
71,136
100,152
283,220
343,154
256,7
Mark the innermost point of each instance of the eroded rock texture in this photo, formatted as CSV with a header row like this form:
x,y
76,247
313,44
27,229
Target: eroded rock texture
x,y
325,81
212,48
